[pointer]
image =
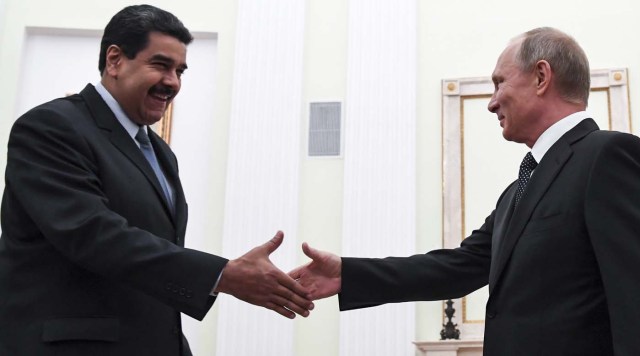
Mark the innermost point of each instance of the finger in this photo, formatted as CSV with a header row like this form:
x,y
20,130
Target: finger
x,y
274,243
304,303
291,305
301,300
296,273
292,286
281,310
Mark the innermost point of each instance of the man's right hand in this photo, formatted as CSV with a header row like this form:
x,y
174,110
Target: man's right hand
x,y
322,277
254,279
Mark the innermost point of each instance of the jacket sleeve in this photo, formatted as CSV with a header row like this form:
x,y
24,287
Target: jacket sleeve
x,y
439,274
52,175
612,212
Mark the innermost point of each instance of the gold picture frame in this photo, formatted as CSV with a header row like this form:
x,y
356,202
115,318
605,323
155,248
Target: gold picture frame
x,y
163,127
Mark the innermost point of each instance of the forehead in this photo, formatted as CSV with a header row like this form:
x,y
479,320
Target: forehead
x,y
507,60
167,46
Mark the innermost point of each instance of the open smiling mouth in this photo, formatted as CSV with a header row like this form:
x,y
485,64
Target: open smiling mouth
x,y
163,94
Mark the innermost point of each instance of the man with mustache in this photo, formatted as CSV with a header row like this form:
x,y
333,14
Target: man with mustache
x,y
92,257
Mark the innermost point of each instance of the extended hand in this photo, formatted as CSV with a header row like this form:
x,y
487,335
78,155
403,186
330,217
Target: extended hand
x,y
322,277
254,279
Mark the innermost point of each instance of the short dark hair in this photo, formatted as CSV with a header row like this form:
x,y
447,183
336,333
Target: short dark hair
x,y
129,29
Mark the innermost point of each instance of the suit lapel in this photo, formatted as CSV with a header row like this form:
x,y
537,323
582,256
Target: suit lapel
x,y
106,120
170,168
542,178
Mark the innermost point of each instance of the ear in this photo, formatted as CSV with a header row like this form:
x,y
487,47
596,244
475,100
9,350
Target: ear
x,y
113,59
543,77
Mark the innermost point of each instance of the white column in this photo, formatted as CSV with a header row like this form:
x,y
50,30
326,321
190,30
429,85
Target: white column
x,y
192,124
380,162
263,167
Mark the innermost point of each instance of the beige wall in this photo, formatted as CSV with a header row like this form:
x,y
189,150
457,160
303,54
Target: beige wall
x,y
463,39
321,182
455,39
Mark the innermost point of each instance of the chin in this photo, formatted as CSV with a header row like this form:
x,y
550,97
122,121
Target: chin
x,y
154,117
507,136
148,121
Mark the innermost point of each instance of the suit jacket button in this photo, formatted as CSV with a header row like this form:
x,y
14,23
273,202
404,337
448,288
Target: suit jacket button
x,y
491,315
168,286
189,293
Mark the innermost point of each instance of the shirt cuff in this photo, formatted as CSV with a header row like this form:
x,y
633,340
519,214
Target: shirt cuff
x,y
213,291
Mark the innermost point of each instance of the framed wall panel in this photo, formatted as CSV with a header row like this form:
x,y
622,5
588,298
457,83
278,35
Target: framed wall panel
x,y
478,163
45,59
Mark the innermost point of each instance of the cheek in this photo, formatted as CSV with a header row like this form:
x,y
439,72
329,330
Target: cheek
x,y
505,97
499,96
140,89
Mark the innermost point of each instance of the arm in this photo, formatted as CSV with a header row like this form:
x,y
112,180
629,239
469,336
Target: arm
x,y
612,213
54,179
366,282
437,275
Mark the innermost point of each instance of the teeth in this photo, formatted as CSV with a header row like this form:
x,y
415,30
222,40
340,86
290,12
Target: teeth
x,y
163,97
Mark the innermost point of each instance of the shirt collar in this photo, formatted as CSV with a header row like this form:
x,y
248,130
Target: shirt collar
x,y
553,134
130,126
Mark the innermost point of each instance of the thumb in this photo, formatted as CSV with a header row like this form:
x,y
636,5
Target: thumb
x,y
311,252
274,243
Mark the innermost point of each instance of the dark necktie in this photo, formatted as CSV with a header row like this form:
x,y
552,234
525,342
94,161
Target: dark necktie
x,y
526,167
149,154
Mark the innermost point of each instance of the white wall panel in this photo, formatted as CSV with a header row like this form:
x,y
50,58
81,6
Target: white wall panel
x,y
263,163
193,120
46,69
380,160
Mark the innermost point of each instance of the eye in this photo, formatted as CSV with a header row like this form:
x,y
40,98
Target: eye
x,y
160,65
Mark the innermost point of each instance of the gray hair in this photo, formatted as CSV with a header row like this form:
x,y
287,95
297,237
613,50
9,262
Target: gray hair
x,y
565,56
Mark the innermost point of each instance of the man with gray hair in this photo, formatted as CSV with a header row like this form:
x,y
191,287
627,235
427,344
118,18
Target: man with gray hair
x,y
559,250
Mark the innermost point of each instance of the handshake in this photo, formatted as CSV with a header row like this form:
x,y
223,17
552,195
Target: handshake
x,y
254,279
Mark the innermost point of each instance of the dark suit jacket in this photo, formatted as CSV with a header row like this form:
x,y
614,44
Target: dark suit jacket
x,y
91,259
561,268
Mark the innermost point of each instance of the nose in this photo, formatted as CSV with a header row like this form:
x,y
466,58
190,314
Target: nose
x,y
171,79
493,104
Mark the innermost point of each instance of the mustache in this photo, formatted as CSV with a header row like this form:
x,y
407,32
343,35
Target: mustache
x,y
162,90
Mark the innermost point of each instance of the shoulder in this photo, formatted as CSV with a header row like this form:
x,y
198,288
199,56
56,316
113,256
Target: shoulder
x,y
605,137
611,150
60,120
602,141
67,111
59,111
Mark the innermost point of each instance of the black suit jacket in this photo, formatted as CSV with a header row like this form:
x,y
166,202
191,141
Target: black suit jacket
x,y
561,267
91,259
